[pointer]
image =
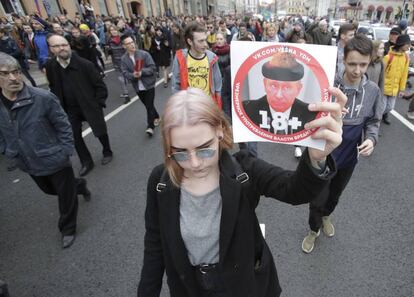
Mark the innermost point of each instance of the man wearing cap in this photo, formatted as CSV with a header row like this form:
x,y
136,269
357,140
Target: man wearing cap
x,y
396,73
279,111
394,33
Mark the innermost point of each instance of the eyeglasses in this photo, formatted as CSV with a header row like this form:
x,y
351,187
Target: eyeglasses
x,y
59,45
15,72
203,153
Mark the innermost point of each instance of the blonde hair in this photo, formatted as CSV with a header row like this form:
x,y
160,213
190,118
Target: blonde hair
x,y
190,107
375,46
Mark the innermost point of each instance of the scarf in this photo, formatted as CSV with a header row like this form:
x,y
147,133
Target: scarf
x,y
221,50
116,39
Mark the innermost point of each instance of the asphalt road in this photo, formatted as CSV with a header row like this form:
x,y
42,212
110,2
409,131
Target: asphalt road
x,y
371,254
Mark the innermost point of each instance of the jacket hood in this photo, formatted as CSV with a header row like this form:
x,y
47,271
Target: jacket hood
x,y
356,96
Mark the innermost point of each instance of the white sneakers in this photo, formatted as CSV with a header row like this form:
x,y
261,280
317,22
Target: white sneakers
x,y
308,242
328,229
149,132
410,115
298,152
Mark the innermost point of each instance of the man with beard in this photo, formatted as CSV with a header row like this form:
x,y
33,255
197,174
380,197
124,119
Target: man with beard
x,y
279,111
36,133
82,93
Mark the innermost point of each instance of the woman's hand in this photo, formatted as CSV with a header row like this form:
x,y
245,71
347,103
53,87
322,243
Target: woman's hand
x,y
332,125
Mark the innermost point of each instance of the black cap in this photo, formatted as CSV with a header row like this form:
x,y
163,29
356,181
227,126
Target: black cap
x,y
395,30
283,67
403,39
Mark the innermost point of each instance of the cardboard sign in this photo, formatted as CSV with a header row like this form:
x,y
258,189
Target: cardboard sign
x,y
272,86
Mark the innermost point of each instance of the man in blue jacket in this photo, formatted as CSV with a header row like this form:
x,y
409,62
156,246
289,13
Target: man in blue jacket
x,y
36,133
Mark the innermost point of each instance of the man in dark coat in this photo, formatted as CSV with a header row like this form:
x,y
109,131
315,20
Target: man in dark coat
x,y
82,93
36,133
279,111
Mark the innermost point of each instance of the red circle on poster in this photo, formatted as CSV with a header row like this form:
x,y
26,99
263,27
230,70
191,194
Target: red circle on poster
x,y
265,53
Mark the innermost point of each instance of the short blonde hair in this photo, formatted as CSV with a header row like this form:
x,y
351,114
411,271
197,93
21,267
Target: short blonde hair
x,y
191,107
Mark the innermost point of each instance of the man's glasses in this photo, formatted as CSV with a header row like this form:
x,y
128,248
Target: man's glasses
x,y
203,153
15,72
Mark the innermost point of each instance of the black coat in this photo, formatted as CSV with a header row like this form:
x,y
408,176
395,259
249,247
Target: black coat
x,y
87,84
161,54
246,262
299,109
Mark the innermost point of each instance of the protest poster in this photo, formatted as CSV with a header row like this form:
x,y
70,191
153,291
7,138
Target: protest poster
x,y
272,86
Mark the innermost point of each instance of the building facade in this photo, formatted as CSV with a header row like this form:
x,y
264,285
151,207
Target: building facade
x,y
376,11
370,10
295,7
126,8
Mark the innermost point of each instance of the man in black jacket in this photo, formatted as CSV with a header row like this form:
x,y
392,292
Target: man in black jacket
x,y
35,132
82,93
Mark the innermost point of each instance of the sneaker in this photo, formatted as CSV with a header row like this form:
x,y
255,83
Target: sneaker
x,y
157,122
385,119
410,115
149,132
309,241
327,227
298,152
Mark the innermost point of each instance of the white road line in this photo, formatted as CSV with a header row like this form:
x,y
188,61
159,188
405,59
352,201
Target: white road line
x,y
110,70
120,108
403,120
263,229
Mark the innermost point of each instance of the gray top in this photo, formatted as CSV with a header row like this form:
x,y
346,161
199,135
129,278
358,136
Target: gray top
x,y
200,226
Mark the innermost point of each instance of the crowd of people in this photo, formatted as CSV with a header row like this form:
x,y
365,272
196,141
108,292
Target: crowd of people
x,y
206,245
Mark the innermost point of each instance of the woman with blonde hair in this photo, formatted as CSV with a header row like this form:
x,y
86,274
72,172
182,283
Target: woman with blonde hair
x,y
200,220
272,33
375,70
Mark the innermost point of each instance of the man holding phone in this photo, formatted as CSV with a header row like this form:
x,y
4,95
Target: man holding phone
x,y
139,68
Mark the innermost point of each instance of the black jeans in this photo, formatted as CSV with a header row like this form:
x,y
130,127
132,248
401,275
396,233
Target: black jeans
x,y
147,98
76,118
63,184
326,202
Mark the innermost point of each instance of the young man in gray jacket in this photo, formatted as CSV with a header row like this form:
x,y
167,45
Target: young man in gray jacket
x,y
139,68
360,133
36,133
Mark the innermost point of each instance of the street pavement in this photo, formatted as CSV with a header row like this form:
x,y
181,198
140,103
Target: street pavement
x,y
371,254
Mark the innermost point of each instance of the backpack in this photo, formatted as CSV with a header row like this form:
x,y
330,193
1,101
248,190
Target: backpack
x,y
391,55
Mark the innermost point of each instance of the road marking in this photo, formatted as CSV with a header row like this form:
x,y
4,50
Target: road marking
x,y
120,108
403,120
110,70
263,228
